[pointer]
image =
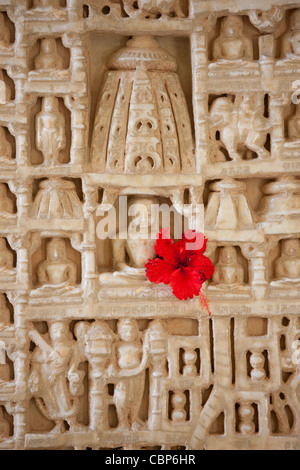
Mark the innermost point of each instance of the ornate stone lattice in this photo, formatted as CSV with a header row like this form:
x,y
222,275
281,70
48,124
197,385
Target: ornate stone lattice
x,y
200,105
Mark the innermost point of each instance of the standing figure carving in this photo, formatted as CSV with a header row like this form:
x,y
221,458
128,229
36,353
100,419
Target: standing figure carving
x,y
129,372
50,131
55,380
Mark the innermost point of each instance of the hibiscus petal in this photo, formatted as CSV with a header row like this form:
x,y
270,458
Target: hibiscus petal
x,y
203,266
159,270
194,241
185,283
181,256
164,245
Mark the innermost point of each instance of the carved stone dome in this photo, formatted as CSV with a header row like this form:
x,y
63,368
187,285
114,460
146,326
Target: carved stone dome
x,y
143,51
142,124
56,198
282,199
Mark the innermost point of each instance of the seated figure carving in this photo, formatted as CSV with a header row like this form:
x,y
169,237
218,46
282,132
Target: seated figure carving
x,y
57,275
4,33
7,272
5,379
5,149
4,314
294,125
48,57
137,247
287,267
129,372
4,426
291,41
5,91
6,204
228,271
47,10
232,44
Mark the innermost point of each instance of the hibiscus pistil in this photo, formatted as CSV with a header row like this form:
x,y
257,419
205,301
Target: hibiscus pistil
x,y
181,265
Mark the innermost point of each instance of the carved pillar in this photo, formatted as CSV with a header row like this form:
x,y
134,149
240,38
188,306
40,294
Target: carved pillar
x,y
246,415
25,247
22,265
20,132
277,104
271,24
98,422
200,76
267,60
23,193
89,268
19,412
78,104
221,394
190,359
158,353
19,355
20,74
98,348
257,362
73,10
257,257
178,401
78,129
196,222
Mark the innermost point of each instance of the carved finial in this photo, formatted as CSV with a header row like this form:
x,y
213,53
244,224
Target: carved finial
x,y
267,21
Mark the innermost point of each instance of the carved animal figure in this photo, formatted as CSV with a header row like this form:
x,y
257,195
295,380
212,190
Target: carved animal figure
x,y
240,126
152,8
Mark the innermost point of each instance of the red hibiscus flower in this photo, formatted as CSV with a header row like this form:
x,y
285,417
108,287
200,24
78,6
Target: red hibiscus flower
x,y
181,265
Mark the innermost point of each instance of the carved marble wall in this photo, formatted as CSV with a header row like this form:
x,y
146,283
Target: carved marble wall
x,y
158,101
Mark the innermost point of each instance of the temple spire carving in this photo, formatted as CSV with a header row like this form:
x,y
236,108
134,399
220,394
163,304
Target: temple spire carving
x,y
142,124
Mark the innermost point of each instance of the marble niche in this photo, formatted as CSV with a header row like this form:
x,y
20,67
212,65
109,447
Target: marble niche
x,y
190,105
